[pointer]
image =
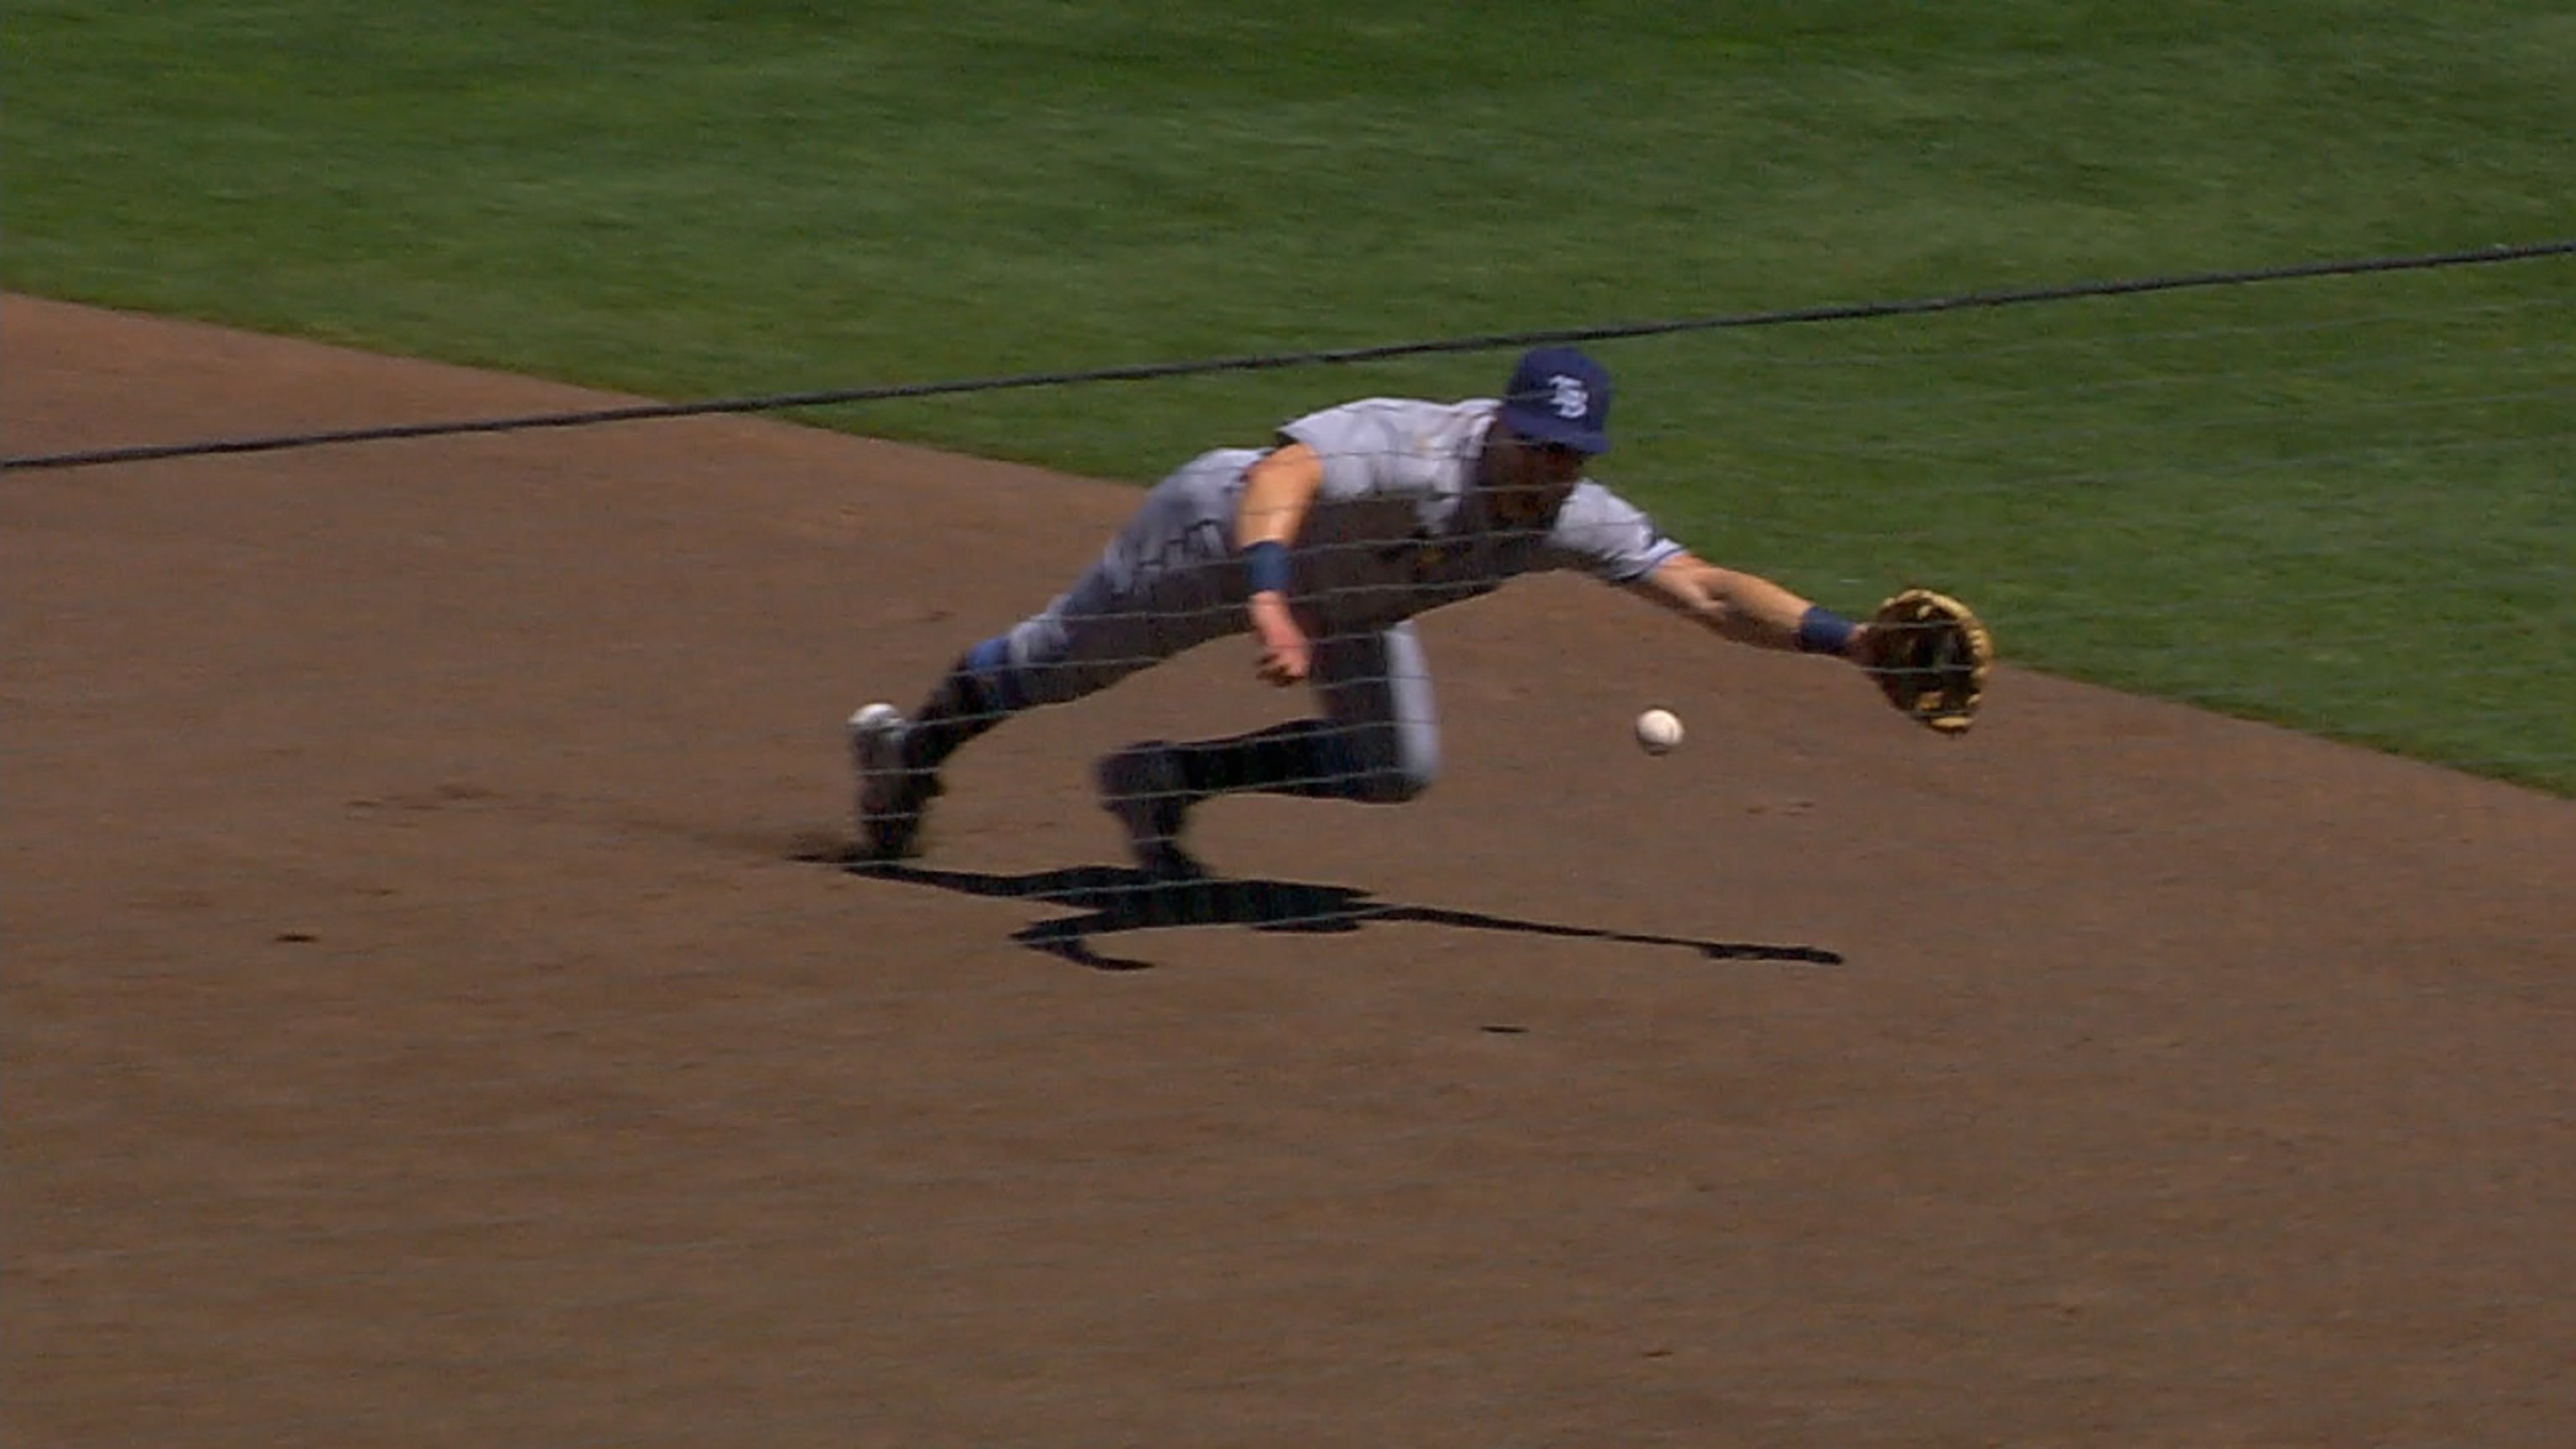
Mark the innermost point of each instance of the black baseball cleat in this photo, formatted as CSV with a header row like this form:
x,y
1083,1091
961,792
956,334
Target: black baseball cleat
x,y
1141,785
891,795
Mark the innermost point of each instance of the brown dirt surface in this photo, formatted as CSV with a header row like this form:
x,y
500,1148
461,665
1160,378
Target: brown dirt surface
x,y
430,1019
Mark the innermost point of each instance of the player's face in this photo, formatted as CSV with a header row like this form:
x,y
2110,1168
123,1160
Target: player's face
x,y
1530,479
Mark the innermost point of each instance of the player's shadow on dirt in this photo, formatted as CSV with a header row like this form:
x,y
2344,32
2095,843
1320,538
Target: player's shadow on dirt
x,y
1113,900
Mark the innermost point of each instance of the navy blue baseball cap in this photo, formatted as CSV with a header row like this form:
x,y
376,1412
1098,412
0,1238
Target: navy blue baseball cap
x,y
1558,395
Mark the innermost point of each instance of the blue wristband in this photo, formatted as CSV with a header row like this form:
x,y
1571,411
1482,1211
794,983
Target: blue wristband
x,y
1265,567
1822,631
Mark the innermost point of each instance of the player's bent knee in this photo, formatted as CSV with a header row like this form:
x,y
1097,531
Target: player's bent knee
x,y
1406,786
1377,764
1395,784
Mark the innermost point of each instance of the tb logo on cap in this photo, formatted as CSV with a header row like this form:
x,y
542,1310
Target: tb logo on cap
x,y
1561,397
1568,396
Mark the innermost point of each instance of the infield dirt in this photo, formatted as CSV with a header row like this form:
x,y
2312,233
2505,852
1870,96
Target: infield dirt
x,y
432,1016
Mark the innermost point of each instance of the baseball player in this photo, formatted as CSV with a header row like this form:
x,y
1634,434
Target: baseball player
x,y
1323,548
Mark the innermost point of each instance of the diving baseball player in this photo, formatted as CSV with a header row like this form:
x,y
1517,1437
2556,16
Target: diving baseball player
x,y
1323,548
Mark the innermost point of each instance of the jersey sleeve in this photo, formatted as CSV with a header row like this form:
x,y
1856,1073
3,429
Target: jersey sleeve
x,y
1372,449
1602,534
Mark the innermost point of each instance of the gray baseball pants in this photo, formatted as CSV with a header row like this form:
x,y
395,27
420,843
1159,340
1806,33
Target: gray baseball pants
x,y
1170,581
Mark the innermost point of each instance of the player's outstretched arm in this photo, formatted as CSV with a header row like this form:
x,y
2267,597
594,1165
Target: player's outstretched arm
x,y
1748,608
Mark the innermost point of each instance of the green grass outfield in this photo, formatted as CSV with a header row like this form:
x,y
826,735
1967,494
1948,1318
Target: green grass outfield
x,y
2344,504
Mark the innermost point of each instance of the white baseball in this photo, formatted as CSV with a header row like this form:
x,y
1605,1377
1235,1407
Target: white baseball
x,y
1658,730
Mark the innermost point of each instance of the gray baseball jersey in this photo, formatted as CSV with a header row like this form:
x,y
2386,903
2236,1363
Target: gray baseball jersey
x,y
1399,526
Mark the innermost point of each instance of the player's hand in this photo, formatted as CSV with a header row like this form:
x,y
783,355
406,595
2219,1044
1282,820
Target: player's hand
x,y
1284,661
1286,654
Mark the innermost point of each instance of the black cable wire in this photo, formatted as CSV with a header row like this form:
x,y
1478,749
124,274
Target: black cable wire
x,y
1140,372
